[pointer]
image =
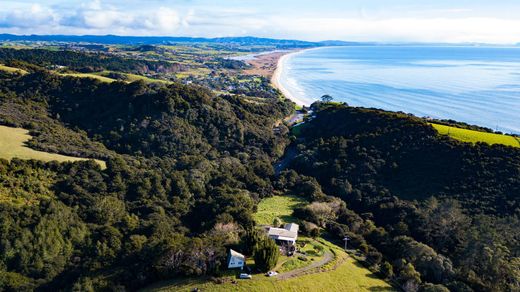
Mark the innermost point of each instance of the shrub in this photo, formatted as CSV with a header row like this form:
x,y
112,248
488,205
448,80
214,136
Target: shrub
x,y
314,232
387,270
266,254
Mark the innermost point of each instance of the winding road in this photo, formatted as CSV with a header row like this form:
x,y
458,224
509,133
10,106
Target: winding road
x,y
327,257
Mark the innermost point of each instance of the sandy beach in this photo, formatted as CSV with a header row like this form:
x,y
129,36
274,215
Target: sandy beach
x,y
271,65
264,64
277,75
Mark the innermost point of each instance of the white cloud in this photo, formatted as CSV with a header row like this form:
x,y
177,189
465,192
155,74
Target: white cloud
x,y
163,20
94,5
34,15
98,17
109,19
491,30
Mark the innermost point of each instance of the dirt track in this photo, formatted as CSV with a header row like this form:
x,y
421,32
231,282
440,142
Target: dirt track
x,y
327,257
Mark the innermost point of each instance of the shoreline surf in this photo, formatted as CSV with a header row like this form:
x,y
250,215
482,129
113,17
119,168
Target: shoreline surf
x,y
477,86
277,75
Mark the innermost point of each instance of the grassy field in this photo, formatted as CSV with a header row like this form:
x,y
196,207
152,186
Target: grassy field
x,y
472,136
347,276
89,75
12,69
277,206
342,273
135,77
313,249
99,76
12,145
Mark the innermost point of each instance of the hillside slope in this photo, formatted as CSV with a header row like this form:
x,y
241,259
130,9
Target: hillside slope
x,y
434,207
181,163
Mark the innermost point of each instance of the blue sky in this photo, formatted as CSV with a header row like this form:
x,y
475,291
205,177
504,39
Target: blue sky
x,y
354,20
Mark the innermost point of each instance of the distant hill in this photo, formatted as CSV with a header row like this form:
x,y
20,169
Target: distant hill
x,y
154,40
238,41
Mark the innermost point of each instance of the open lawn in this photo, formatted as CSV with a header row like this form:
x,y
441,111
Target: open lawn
x,y
135,77
276,207
328,267
472,136
12,69
100,76
12,145
349,275
89,75
314,252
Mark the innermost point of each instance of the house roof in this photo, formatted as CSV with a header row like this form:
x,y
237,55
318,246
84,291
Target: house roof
x,y
290,232
236,254
292,227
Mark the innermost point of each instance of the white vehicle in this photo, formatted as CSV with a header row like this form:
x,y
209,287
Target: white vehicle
x,y
271,274
245,276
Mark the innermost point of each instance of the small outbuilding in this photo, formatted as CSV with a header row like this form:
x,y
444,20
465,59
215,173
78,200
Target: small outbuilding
x,y
235,260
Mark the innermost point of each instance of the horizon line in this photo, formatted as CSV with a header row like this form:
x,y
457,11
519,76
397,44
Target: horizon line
x,y
257,37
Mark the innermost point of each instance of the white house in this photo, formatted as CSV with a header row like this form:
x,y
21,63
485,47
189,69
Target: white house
x,y
288,234
235,260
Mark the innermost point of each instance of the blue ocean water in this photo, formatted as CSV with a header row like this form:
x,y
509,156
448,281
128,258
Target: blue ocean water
x,y
476,85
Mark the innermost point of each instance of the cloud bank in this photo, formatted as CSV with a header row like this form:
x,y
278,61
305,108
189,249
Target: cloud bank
x,y
139,18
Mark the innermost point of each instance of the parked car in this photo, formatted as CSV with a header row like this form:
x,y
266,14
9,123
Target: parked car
x,y
271,274
245,276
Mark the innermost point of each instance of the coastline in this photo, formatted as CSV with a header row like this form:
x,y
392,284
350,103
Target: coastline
x,y
277,75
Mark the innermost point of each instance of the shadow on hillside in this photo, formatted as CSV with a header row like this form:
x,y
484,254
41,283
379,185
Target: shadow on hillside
x,y
287,218
381,289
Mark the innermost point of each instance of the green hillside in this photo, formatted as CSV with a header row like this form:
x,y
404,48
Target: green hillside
x,y
473,136
280,207
12,145
348,276
339,273
12,69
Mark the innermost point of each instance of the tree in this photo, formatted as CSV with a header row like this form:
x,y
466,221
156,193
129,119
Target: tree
x,y
409,278
387,270
277,222
326,98
315,232
429,287
250,241
266,254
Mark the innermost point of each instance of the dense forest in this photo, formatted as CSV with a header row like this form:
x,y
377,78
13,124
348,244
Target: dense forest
x,y
185,169
431,209
82,62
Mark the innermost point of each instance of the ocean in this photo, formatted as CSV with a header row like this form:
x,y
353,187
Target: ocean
x,y
476,85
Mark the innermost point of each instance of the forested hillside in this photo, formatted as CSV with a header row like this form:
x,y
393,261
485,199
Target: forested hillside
x,y
82,62
184,170
442,210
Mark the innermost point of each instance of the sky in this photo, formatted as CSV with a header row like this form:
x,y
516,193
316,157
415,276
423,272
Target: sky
x,y
452,21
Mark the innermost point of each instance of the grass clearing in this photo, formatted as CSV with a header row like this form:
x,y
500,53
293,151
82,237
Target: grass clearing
x,y
101,77
277,207
135,77
12,70
348,276
314,251
89,75
342,273
12,145
472,136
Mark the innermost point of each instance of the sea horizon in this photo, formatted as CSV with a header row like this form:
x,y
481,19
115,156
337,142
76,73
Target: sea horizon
x,y
471,84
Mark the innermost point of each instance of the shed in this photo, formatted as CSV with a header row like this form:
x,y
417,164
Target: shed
x,y
235,260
